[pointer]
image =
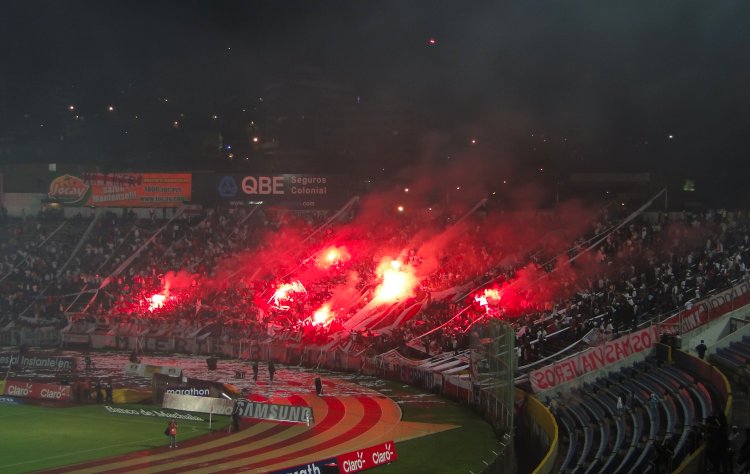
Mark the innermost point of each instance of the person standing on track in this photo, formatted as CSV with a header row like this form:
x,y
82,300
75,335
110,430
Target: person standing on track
x,y
172,433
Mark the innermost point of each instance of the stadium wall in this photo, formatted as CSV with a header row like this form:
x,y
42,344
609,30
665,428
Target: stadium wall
x,y
23,204
537,432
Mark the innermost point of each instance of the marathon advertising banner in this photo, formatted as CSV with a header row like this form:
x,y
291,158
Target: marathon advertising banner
x,y
198,404
326,466
164,384
273,412
367,458
30,361
293,191
593,359
40,391
122,189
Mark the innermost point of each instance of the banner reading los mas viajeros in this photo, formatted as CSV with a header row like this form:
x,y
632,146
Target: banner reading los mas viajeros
x,y
593,359
122,189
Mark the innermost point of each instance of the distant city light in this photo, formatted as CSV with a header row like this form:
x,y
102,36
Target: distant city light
x,y
256,139
406,190
111,108
473,141
671,137
432,41
400,208
71,107
215,117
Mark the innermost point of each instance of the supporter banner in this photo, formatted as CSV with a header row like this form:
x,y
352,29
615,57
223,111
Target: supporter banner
x,y
200,404
122,189
418,377
145,370
131,368
593,359
318,467
711,308
296,191
367,458
16,360
269,411
159,344
394,359
154,413
75,338
40,391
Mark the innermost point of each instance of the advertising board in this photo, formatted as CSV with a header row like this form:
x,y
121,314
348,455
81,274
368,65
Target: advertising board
x,y
31,361
367,458
274,412
293,191
122,189
198,404
39,391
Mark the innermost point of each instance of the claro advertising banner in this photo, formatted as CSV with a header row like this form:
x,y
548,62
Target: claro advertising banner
x,y
40,391
367,458
122,189
294,191
593,359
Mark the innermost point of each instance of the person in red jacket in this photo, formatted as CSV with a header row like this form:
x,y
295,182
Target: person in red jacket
x,y
171,431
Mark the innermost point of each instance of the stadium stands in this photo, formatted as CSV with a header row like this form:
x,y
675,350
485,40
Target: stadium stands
x,y
633,440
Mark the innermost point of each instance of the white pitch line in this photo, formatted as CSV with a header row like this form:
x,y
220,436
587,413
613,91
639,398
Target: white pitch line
x,y
100,448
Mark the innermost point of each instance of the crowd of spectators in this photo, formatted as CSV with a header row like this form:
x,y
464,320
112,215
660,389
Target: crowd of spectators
x,y
212,267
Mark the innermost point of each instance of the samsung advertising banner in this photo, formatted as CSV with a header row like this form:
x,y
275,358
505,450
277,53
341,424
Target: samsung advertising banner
x,y
273,412
292,191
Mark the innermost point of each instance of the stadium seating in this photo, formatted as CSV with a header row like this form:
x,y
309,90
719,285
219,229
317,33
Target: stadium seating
x,y
630,441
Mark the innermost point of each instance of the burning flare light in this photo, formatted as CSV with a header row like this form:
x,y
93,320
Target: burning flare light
x,y
488,296
332,256
156,301
323,315
398,282
284,294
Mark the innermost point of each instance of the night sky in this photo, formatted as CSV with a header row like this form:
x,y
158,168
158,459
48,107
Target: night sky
x,y
585,85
